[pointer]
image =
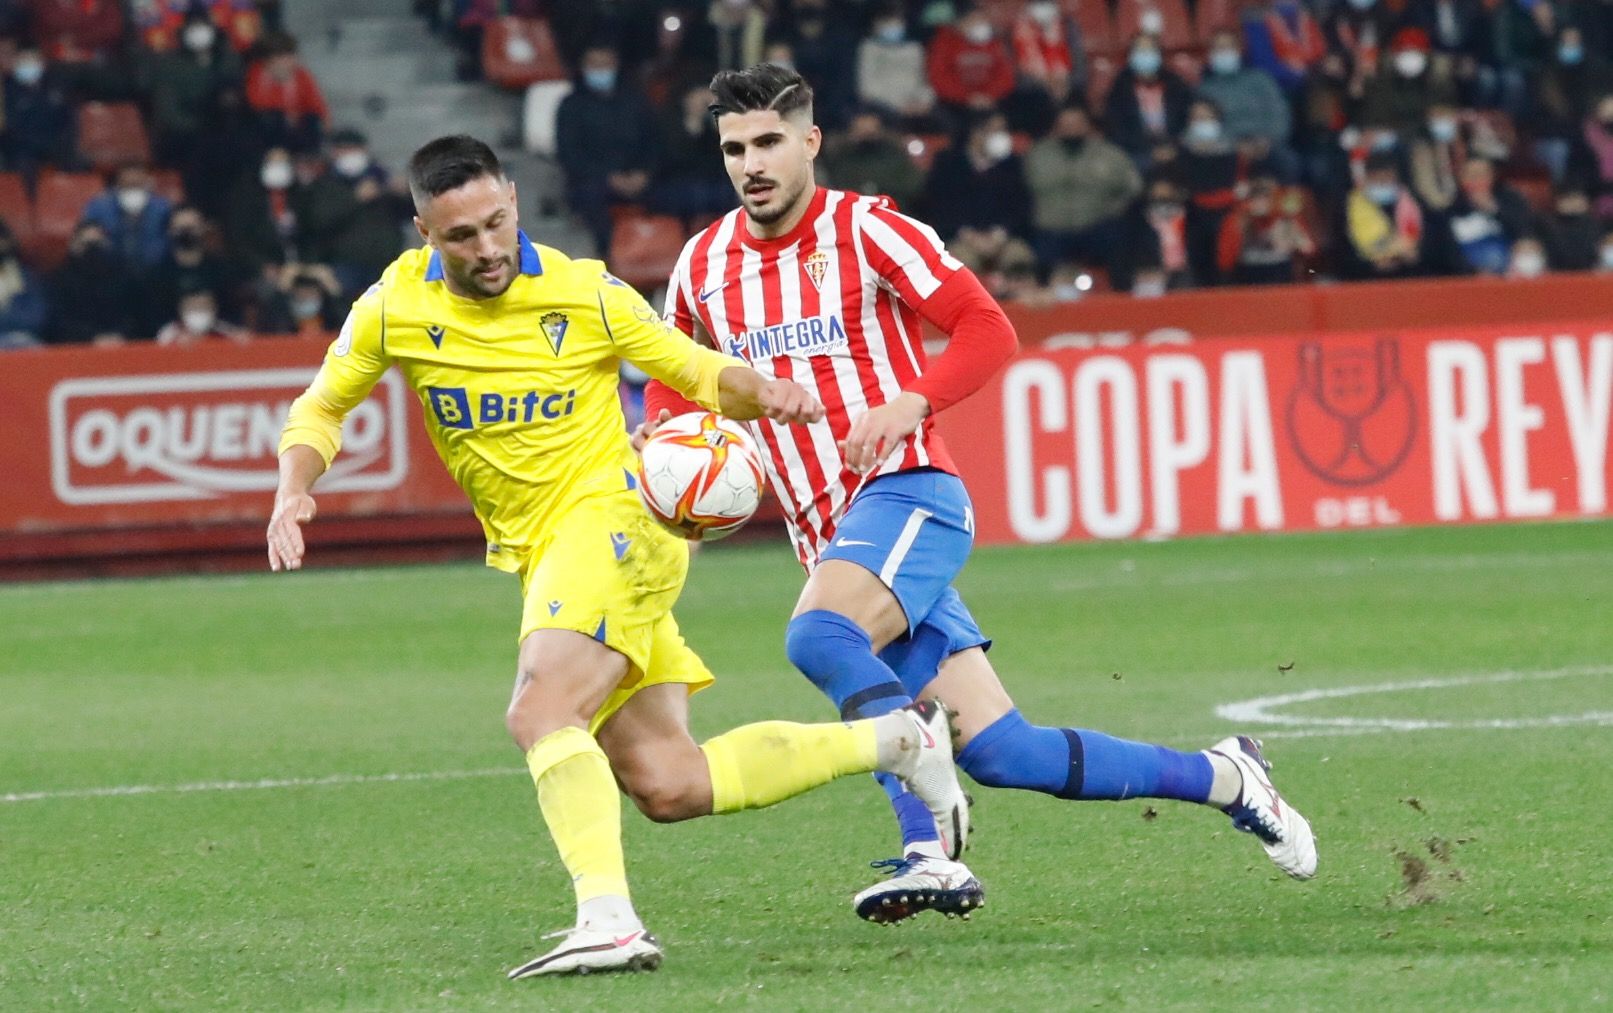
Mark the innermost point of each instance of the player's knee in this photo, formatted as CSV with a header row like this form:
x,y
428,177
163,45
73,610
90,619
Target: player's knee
x,y
999,756
530,716
666,793
817,641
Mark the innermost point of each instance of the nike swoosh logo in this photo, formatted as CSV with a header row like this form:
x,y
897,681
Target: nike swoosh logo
x,y
929,740
710,292
624,940
849,542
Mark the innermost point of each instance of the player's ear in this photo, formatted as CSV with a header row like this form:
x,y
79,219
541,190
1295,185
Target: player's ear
x,y
813,140
420,227
515,204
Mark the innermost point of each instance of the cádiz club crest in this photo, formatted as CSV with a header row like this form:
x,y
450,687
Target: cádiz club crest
x,y
554,328
1351,415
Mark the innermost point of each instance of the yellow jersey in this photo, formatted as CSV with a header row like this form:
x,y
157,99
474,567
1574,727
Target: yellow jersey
x,y
519,391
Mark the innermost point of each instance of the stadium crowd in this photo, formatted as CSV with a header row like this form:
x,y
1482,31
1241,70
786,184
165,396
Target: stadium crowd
x,y
180,155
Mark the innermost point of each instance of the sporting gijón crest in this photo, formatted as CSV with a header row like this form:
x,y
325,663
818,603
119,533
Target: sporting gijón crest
x,y
554,328
816,265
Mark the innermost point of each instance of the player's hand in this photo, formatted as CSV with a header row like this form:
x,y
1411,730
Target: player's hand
x,y
647,428
285,530
789,402
873,436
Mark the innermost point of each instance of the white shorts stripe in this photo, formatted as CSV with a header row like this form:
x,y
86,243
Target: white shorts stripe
x,y
904,542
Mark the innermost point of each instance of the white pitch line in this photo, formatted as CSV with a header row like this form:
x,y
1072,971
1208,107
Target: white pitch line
x,y
1263,710
115,791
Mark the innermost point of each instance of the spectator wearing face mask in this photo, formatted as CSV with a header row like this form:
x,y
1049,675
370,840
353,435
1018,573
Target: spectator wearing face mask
x,y
285,95
1570,233
1148,103
1399,97
1593,159
1462,36
351,215
196,321
1081,187
970,68
891,71
133,216
1526,32
189,267
1488,218
304,302
1263,241
869,160
1564,93
258,220
22,298
38,126
185,85
1604,254
608,143
1254,113
979,183
1386,232
101,313
1527,260
1049,52
1156,240
1436,155
1214,171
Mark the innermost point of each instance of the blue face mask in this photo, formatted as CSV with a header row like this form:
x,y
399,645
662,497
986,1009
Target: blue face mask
x,y
1363,5
1570,54
891,34
1383,193
1225,61
1145,62
599,80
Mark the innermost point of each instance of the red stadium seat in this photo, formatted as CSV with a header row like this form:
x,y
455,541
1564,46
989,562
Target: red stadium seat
x,y
1176,31
111,134
1097,27
1537,190
170,184
1188,64
644,249
59,199
1209,16
17,211
518,52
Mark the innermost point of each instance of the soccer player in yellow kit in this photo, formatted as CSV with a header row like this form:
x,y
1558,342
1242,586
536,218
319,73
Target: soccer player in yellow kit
x,y
513,350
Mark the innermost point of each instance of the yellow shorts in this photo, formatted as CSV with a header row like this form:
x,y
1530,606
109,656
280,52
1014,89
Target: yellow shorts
x,y
611,572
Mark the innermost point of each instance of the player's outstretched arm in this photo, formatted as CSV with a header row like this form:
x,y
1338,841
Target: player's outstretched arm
x,y
744,394
293,507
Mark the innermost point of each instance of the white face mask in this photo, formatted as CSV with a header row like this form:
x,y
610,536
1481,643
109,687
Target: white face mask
x,y
1151,22
199,38
1410,62
28,71
305,309
1204,131
999,145
351,163
133,200
978,32
197,321
1605,258
1529,265
276,175
1225,61
1148,288
1044,13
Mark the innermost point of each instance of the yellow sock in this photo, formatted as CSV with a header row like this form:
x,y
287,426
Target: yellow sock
x,y
577,794
757,765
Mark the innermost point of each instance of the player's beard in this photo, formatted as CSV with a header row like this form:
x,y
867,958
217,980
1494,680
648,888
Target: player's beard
x,y
471,282
778,209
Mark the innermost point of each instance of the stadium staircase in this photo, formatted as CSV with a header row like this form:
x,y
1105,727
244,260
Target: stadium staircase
x,y
384,73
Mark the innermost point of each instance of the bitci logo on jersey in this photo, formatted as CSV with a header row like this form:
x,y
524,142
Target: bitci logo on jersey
x,y
140,439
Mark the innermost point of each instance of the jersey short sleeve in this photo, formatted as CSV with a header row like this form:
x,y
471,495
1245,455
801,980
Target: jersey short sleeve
x,y
646,340
353,364
907,255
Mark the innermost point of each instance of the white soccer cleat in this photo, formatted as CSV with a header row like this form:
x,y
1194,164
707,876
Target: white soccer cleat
x,y
584,951
920,884
1260,810
929,774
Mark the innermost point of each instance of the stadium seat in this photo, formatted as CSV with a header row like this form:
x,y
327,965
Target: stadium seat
x,y
1210,16
17,211
1097,27
1537,190
519,52
644,249
170,184
1177,31
59,199
538,115
111,134
1188,64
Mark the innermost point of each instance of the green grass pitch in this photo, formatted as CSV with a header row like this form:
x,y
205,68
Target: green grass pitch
x,y
1463,865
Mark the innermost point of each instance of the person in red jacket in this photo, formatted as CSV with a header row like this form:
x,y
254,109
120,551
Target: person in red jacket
x,y
970,66
832,289
77,31
286,95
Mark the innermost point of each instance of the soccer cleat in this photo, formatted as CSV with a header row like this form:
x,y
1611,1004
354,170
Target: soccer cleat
x,y
1260,810
584,951
917,884
929,774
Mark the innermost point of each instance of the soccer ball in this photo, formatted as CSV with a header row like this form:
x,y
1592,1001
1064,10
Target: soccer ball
x,y
701,476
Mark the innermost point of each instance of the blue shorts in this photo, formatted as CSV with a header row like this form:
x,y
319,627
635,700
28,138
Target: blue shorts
x,y
914,530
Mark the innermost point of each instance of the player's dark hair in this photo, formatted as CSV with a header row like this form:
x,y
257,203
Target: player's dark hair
x,y
761,87
448,163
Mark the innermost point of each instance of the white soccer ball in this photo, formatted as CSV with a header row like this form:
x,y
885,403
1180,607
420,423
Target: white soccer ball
x,y
701,475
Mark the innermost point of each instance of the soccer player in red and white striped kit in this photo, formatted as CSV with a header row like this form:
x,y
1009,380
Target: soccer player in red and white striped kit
x,y
830,289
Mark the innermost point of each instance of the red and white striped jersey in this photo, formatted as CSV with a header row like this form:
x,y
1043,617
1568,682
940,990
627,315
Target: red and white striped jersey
x,y
832,306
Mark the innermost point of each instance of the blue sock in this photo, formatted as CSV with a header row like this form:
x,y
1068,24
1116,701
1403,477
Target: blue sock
x,y
1080,764
837,656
